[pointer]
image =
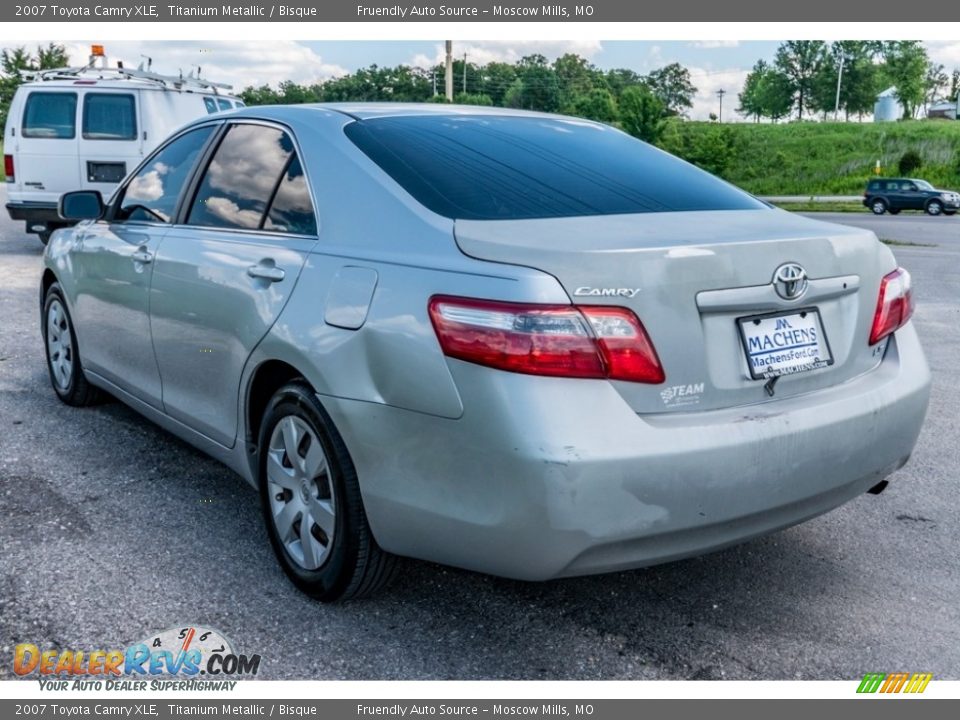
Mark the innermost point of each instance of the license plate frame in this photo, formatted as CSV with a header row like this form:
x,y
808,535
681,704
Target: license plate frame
x,y
824,357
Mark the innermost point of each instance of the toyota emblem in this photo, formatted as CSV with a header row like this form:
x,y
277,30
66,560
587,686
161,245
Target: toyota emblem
x,y
790,281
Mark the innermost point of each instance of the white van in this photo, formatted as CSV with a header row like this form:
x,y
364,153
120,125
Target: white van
x,y
86,128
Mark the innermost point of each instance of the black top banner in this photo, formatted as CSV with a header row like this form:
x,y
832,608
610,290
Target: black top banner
x,y
468,11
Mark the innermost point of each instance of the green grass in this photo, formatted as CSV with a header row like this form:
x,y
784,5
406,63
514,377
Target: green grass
x,y
845,207
905,243
809,158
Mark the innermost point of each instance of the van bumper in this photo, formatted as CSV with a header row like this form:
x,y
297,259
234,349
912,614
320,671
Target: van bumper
x,y
34,212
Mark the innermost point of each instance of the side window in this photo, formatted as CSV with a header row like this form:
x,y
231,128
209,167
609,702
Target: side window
x,y
241,177
109,116
210,105
239,103
50,115
224,104
152,194
291,209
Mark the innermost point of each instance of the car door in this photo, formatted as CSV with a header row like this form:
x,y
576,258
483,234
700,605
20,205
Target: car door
x,y
222,276
912,197
113,263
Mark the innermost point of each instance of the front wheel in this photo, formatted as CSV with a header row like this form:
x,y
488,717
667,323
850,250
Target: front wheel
x,y
63,357
934,207
878,206
311,502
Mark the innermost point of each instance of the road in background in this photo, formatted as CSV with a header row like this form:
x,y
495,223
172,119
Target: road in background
x,y
112,529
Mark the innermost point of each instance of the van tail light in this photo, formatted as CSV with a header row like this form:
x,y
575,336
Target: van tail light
x,y
894,306
8,167
557,340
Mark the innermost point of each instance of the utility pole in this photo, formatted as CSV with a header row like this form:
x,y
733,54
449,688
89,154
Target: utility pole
x,y
720,93
836,106
448,73
464,73
434,73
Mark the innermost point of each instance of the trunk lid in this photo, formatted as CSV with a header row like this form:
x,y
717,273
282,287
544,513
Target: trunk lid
x,y
689,276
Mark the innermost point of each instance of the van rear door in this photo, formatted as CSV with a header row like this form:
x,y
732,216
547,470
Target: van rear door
x,y
45,152
111,139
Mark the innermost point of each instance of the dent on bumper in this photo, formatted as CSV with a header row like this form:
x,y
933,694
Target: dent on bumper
x,y
545,477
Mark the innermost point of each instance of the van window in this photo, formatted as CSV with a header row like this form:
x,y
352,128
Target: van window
x,y
152,194
50,115
291,209
241,177
224,104
210,105
239,103
109,116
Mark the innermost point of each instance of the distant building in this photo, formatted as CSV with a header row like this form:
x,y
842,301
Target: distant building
x,y
887,108
944,110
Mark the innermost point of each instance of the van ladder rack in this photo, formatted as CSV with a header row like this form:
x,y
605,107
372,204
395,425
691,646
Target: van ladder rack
x,y
176,82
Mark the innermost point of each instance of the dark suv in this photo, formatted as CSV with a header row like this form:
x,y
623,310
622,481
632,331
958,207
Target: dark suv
x,y
895,194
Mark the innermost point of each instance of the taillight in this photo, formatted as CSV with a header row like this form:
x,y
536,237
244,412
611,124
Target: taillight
x,y
894,306
8,167
558,340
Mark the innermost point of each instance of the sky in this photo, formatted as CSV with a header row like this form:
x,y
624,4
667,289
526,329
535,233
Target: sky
x,y
713,65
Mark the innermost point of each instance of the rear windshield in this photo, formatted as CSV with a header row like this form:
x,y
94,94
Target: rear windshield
x,y
50,115
477,167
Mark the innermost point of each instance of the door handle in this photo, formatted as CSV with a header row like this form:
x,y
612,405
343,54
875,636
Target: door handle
x,y
142,256
270,273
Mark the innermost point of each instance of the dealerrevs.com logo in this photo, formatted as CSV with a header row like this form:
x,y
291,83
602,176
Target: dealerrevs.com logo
x,y
900,682
183,658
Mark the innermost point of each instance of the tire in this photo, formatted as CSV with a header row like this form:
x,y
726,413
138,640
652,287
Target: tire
x,y
878,206
341,559
63,357
949,213
934,208
894,212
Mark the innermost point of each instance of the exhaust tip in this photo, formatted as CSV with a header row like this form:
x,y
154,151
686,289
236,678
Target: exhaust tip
x,y
879,487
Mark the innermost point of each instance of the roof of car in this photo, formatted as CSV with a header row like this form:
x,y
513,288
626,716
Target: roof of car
x,y
367,110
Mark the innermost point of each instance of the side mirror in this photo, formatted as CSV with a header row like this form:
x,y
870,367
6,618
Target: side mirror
x,y
81,205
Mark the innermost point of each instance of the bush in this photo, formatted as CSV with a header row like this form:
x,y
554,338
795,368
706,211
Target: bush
x,y
909,162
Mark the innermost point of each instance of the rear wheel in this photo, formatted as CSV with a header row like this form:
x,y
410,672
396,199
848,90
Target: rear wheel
x,y
311,502
949,212
934,207
878,206
63,357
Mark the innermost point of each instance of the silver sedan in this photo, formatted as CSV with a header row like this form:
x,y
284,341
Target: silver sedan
x,y
523,344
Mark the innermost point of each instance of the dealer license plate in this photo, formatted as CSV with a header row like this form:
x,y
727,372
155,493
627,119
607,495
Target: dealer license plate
x,y
784,343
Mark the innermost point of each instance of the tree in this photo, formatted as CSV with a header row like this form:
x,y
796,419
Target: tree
x,y
799,61
641,113
954,85
495,79
599,104
471,99
905,68
935,83
538,89
767,92
671,84
13,60
575,78
749,97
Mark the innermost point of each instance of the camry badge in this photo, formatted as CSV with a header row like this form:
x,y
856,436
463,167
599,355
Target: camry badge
x,y
790,281
606,292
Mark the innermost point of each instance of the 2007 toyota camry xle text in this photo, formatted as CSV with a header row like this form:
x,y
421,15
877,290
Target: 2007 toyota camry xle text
x,y
523,344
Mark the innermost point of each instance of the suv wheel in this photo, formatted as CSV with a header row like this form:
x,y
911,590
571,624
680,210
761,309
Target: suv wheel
x,y
63,357
311,502
934,207
878,206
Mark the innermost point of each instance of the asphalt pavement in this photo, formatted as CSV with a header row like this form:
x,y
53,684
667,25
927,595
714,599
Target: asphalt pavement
x,y
111,529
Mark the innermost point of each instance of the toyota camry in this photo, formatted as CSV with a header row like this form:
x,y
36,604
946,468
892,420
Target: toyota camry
x,y
524,344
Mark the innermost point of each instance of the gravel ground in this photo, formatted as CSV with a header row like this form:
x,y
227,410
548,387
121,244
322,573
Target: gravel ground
x,y
112,529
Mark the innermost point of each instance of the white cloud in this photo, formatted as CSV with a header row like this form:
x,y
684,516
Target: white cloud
x,y
509,51
237,63
708,82
945,52
712,44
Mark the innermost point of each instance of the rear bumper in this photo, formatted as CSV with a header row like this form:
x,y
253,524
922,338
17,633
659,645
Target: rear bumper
x,y
546,477
31,212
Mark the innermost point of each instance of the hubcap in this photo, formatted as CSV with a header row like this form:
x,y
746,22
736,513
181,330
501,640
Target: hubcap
x,y
878,208
59,345
934,208
301,492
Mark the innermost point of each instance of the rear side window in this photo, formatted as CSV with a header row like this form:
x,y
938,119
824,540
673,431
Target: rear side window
x,y
109,116
50,115
873,185
484,167
241,178
152,194
291,209
210,105
224,104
